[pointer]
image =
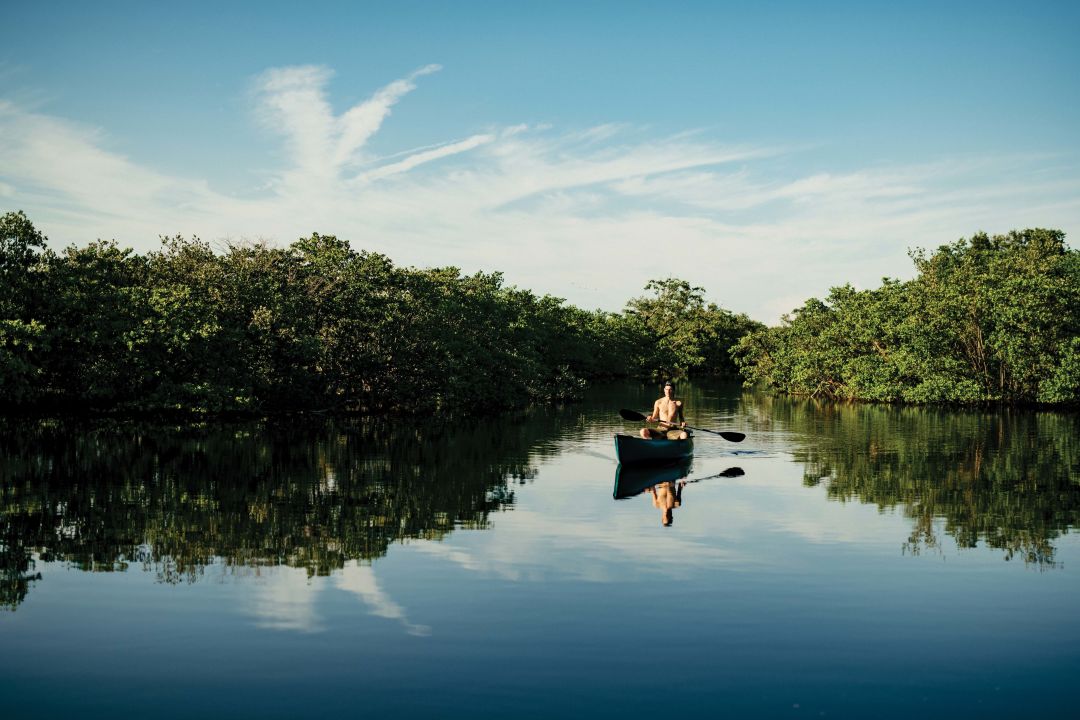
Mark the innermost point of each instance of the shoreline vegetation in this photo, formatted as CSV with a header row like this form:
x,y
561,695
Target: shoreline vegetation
x,y
316,326
320,327
985,320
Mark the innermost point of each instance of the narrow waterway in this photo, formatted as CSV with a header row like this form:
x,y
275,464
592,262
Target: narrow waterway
x,y
843,561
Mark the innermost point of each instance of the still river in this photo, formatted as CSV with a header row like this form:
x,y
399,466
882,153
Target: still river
x,y
843,561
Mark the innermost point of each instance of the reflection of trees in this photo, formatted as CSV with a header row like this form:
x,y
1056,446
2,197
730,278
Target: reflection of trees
x,y
305,494
1009,478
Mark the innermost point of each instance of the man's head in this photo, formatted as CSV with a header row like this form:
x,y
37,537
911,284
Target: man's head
x,y
669,389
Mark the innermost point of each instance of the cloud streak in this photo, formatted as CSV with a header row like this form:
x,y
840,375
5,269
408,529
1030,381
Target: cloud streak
x,y
426,156
292,101
590,214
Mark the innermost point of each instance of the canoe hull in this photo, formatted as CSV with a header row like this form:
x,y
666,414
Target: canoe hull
x,y
635,451
631,480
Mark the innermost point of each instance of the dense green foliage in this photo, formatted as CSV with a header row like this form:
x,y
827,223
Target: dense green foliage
x,y
686,335
986,319
315,325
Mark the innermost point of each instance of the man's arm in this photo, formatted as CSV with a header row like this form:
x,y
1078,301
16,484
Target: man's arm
x,y
655,412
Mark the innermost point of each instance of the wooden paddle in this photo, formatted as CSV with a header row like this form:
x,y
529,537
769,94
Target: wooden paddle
x,y
726,434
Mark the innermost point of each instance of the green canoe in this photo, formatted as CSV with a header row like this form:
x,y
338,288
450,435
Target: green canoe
x,y
631,480
634,450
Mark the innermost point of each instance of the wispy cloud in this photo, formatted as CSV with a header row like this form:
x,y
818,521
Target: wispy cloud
x,y
292,101
588,214
426,156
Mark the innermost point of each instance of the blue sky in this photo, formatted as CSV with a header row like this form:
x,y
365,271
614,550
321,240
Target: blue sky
x,y
764,151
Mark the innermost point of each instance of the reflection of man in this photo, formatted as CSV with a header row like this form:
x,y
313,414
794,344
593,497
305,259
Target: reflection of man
x,y
667,496
669,413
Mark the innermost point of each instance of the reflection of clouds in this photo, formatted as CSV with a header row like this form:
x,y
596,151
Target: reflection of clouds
x,y
284,599
538,546
770,500
724,523
446,551
360,580
817,522
573,531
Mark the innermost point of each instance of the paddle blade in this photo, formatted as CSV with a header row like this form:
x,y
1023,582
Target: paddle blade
x,y
733,436
631,415
733,472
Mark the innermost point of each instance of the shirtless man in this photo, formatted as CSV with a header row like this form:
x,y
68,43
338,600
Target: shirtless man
x,y
668,412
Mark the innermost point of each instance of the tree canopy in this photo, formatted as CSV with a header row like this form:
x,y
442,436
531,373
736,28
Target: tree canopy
x,y
987,319
690,335
315,325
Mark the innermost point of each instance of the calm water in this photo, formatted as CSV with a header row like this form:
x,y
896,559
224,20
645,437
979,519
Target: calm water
x,y
842,562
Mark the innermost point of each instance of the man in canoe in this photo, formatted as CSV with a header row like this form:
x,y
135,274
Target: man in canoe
x,y
668,412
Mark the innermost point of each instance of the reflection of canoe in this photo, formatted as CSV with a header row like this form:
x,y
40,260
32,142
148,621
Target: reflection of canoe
x,y
630,480
630,450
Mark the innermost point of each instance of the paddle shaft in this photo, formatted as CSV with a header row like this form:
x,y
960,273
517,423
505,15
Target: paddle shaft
x,y
726,434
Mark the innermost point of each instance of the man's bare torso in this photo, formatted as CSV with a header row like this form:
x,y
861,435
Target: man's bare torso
x,y
666,409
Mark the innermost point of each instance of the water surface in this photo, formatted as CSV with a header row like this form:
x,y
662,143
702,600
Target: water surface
x,y
844,561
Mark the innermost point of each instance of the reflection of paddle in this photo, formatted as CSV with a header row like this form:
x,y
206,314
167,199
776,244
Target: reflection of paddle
x,y
730,472
633,480
726,434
